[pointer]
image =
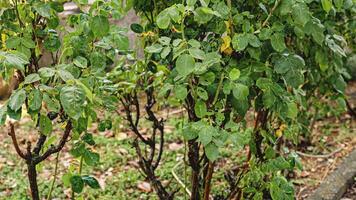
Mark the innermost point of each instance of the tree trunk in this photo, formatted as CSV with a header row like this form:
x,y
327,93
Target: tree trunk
x,y
32,177
193,156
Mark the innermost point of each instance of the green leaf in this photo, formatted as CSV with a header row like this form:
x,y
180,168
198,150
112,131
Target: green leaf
x,y
277,42
234,74
240,41
327,5
200,109
88,92
16,60
181,92
268,99
163,19
45,125
17,100
292,110
72,99
77,184
197,53
253,40
136,28
291,67
80,62
43,9
32,78
65,75
52,104
240,91
300,13
206,135
185,64
321,57
91,181
88,138
191,2
203,94
155,48
100,26
211,151
91,158
203,15
46,72
35,100
316,29
3,114
165,52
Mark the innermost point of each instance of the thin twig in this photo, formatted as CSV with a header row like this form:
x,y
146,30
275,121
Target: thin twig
x,y
319,156
56,149
12,134
178,180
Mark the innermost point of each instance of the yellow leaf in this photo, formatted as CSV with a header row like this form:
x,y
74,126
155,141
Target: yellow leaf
x,y
280,130
226,46
3,40
279,133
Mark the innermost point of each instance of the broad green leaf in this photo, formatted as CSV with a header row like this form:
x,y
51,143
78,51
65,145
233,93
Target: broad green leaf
x,y
32,78
80,62
268,99
43,9
185,64
321,57
316,29
240,91
240,41
91,158
136,28
253,40
45,125
52,103
65,75
327,5
100,26
88,92
197,53
164,40
163,19
203,94
72,99
203,15
46,72
17,100
165,52
234,74
191,2
211,151
206,135
300,13
3,114
88,138
77,184
155,48
291,67
200,109
292,110
16,60
277,42
15,115
35,100
91,181
181,92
